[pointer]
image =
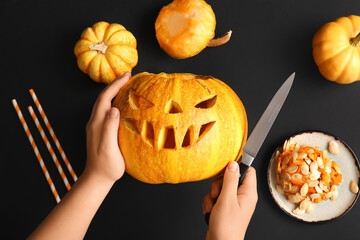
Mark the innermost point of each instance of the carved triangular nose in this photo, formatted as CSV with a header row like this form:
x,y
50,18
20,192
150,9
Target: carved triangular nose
x,y
173,107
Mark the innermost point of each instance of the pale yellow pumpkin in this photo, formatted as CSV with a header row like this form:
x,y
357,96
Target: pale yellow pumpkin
x,y
179,127
336,50
106,51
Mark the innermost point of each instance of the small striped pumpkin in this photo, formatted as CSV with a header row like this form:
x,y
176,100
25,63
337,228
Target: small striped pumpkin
x,y
106,51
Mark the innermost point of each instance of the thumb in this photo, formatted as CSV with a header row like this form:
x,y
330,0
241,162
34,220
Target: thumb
x,y
231,181
109,136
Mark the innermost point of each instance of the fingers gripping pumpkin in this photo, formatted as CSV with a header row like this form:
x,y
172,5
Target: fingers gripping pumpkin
x,y
179,127
106,51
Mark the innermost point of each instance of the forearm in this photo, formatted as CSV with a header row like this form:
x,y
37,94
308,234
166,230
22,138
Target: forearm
x,y
71,218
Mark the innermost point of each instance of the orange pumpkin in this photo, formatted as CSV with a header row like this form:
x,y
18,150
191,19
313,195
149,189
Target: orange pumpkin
x,y
185,27
106,51
179,127
336,50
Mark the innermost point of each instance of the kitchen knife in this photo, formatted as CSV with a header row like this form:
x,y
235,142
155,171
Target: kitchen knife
x,y
261,130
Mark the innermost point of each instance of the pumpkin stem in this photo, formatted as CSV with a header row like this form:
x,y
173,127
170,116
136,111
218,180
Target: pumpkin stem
x,y
221,40
100,47
355,41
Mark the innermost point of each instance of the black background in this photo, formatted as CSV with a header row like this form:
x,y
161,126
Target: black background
x,y
271,39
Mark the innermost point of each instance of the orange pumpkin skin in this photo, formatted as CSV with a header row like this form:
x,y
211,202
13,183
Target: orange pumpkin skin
x,y
185,27
106,51
336,51
179,127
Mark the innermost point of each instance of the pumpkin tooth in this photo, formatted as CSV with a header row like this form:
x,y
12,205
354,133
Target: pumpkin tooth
x,y
167,137
148,132
205,128
188,138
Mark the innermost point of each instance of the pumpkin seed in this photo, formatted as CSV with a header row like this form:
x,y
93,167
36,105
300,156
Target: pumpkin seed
x,y
304,190
277,179
297,176
334,195
323,186
279,189
337,168
294,188
286,159
293,199
319,161
298,211
304,168
285,146
333,147
287,187
294,155
297,147
313,183
303,155
318,189
308,161
325,154
329,194
315,196
277,154
354,187
311,207
315,175
313,166
297,162
327,170
286,176
304,204
328,163
292,169
310,151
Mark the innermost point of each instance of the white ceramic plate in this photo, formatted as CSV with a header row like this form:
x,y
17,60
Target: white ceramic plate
x,y
325,210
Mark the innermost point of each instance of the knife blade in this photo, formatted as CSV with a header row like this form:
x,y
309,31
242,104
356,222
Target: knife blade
x,y
263,126
262,129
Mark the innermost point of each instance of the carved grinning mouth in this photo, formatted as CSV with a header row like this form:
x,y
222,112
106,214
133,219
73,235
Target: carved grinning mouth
x,y
166,136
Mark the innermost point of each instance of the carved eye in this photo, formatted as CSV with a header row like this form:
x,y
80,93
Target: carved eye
x,y
206,102
139,102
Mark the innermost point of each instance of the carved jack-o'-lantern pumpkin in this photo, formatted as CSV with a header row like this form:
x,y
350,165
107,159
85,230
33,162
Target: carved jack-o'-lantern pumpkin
x,y
179,127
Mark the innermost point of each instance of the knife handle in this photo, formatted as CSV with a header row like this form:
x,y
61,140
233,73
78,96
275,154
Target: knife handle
x,y
243,170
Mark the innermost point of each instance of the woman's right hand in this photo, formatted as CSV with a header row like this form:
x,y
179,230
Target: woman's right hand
x,y
231,207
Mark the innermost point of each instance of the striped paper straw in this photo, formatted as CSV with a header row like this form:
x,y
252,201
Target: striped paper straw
x,y
36,151
52,133
51,150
